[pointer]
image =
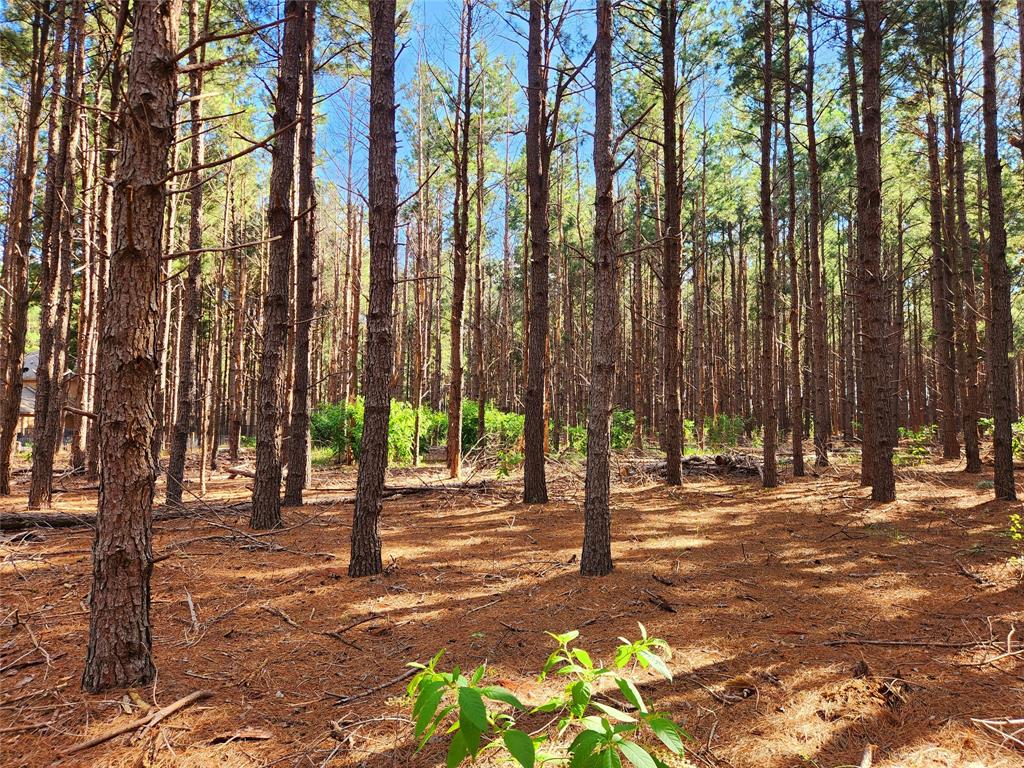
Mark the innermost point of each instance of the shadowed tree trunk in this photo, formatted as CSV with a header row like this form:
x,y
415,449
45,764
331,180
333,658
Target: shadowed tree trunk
x,y
460,242
535,489
668,15
769,416
298,440
266,489
120,643
12,350
998,332
55,269
942,310
877,392
596,559
819,349
383,184
193,304
796,402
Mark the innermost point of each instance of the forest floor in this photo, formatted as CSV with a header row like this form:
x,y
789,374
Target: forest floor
x,y
806,622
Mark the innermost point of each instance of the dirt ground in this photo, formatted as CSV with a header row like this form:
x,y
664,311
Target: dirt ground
x,y
806,622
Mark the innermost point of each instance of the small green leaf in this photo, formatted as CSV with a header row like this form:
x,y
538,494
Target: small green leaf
x,y
583,747
612,712
631,693
471,708
478,674
583,657
668,733
497,693
520,746
656,662
457,751
580,693
426,706
637,755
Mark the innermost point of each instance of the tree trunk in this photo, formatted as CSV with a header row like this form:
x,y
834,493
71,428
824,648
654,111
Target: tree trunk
x,y
535,490
383,183
998,332
120,642
796,400
673,425
874,343
596,559
305,262
12,351
769,416
266,490
819,348
193,305
460,242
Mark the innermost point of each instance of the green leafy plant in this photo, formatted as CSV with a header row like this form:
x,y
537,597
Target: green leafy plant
x,y
725,430
508,461
483,718
1017,535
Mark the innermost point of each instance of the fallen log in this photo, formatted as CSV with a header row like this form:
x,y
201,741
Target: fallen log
x,y
20,521
717,464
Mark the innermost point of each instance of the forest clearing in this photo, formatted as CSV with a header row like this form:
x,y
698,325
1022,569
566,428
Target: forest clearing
x,y
779,610
514,383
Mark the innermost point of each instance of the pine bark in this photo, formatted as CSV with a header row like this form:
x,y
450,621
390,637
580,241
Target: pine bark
x,y
769,415
193,307
819,348
383,183
796,403
460,244
874,341
305,263
12,351
998,333
120,641
668,16
535,490
596,558
266,491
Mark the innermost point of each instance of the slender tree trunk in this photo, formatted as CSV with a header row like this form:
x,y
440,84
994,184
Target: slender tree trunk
x,y
998,333
383,184
796,401
460,244
596,559
191,296
819,354
12,351
55,276
298,443
120,642
266,491
769,416
538,157
877,392
673,425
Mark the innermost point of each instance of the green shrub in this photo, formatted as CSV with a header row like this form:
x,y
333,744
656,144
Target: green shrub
x,y
482,718
339,426
623,424
725,430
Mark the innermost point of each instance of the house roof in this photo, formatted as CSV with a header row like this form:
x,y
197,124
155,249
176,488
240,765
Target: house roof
x,y
28,402
30,366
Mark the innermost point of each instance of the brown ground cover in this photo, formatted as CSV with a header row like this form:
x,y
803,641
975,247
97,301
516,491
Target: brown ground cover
x,y
806,622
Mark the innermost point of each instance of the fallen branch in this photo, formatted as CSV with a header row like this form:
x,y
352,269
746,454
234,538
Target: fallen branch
x,y
369,691
143,723
24,520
